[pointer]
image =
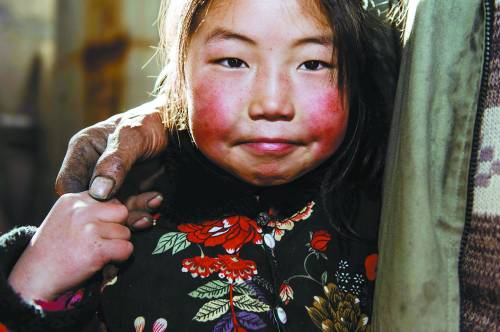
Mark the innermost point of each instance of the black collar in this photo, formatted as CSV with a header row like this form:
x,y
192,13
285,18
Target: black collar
x,y
196,189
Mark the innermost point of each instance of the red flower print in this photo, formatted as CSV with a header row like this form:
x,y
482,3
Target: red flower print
x,y
236,269
280,226
202,266
304,213
286,293
371,266
232,233
319,240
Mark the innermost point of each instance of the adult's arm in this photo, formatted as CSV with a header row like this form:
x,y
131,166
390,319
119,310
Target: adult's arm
x,y
102,155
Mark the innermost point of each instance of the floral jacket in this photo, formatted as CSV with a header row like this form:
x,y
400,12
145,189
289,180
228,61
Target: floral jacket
x,y
224,256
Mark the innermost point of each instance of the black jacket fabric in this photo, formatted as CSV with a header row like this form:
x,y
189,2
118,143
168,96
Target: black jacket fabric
x,y
226,256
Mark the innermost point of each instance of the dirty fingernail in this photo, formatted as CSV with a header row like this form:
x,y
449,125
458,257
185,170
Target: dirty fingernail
x,y
155,201
143,222
101,187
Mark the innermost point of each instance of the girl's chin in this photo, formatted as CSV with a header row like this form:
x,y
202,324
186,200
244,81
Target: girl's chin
x,y
267,180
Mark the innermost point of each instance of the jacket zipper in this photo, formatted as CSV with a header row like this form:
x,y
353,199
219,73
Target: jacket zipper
x,y
488,19
262,220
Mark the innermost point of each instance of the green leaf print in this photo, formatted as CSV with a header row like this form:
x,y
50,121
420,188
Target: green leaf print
x,y
245,302
324,278
244,289
212,310
176,241
211,290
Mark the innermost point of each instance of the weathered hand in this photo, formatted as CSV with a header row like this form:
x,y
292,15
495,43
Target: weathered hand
x,y
112,146
139,208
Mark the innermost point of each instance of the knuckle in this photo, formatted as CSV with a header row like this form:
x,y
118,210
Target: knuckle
x,y
68,200
124,137
101,255
134,130
94,257
90,229
86,134
132,203
78,215
112,162
81,211
78,137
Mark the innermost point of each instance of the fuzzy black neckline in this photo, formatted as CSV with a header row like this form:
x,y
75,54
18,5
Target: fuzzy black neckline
x,y
196,189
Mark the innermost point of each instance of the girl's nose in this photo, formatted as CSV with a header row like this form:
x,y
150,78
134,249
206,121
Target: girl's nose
x,y
271,99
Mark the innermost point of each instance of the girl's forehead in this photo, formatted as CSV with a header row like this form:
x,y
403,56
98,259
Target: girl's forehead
x,y
298,13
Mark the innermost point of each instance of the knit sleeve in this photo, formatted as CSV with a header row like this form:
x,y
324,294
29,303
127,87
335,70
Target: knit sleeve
x,y
19,315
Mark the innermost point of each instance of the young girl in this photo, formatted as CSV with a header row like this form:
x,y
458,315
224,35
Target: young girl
x,y
278,128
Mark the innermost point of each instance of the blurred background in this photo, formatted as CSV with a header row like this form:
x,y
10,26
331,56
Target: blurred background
x,y
64,64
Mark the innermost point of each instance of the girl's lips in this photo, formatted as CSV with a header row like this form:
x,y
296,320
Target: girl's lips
x,y
273,147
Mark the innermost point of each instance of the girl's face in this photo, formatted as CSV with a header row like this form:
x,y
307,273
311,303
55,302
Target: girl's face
x,y
262,101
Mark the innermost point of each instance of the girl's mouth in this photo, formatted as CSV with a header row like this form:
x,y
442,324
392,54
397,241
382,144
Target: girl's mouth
x,y
270,146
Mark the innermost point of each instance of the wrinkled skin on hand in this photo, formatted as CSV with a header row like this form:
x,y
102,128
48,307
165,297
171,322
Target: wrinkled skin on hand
x,y
103,154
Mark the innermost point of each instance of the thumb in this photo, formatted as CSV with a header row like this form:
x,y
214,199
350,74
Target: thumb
x,y
125,145
109,173
140,136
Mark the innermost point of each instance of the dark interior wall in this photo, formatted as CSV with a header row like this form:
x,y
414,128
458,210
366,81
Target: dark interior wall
x,y
68,64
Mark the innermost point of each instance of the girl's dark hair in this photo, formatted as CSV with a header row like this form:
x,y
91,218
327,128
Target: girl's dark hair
x,y
367,58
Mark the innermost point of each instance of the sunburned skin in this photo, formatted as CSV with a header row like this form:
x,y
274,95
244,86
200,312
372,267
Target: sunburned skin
x,y
262,100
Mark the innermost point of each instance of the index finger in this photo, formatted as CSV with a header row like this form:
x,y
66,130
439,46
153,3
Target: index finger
x,y
84,149
112,211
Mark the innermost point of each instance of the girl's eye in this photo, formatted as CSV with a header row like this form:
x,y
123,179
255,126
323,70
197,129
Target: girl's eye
x,y
314,65
232,63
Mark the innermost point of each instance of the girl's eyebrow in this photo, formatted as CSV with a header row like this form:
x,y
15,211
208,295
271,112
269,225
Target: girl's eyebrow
x,y
224,34
220,34
320,40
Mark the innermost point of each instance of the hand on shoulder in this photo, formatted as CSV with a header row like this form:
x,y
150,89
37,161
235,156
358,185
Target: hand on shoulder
x,y
103,154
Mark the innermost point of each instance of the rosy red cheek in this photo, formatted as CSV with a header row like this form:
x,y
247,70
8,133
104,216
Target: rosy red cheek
x,y
208,111
328,120
330,101
327,108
